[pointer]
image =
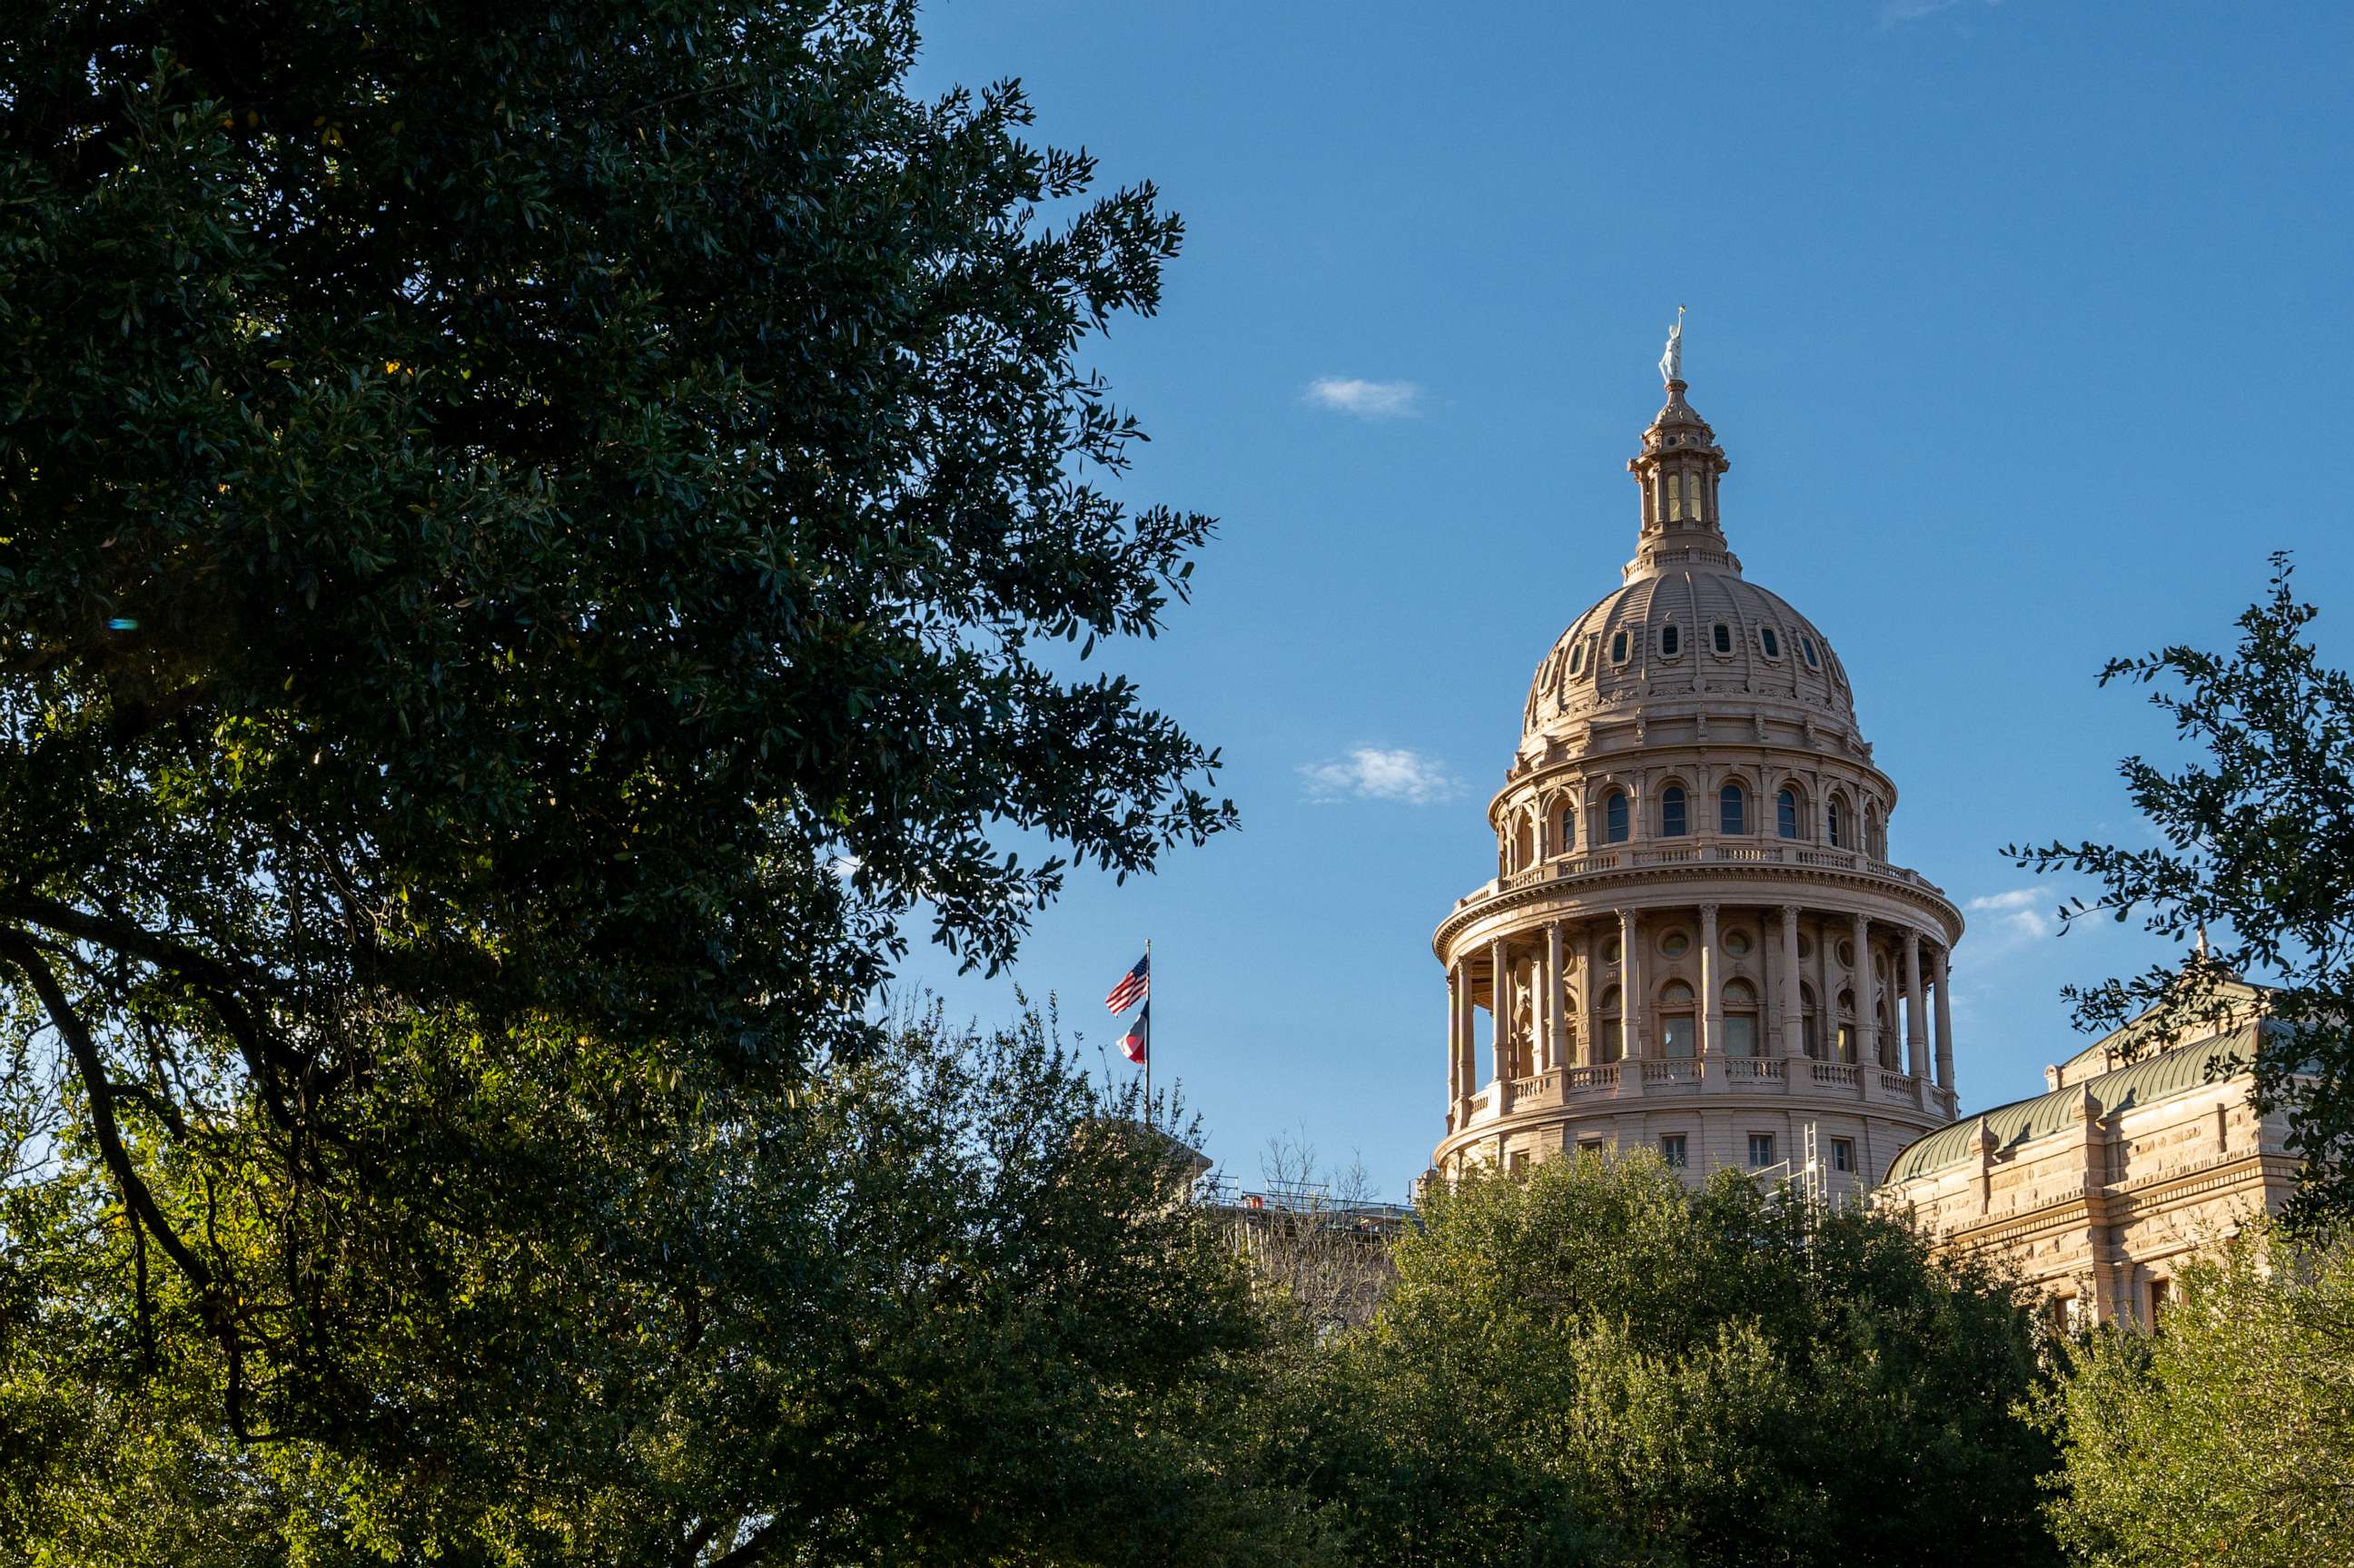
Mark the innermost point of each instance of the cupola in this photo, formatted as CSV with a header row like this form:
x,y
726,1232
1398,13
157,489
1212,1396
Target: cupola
x,y
1678,471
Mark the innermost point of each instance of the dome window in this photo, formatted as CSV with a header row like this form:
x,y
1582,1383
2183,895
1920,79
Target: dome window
x,y
1736,941
1806,644
1786,814
1722,636
1732,810
1671,641
1835,822
1618,647
1614,817
1675,945
1577,659
1673,823
1768,641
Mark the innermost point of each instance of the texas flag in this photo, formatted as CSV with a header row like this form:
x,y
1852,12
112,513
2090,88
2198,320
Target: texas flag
x,y
1139,1033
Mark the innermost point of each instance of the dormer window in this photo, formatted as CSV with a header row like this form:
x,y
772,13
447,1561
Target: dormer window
x,y
1618,647
1577,659
1806,644
1769,642
1671,641
1722,636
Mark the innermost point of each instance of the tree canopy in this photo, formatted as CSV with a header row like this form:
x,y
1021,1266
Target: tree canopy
x,y
530,548
2257,861
1594,1365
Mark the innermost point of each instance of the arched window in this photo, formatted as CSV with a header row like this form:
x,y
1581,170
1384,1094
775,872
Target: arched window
x,y
1732,810
1677,1034
1614,817
1847,1026
1721,637
1618,647
1671,642
1524,844
1875,838
1833,824
1739,1019
1564,828
1672,822
1614,1029
1811,1022
1786,813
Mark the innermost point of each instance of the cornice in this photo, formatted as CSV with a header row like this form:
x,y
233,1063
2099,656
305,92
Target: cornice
x,y
1542,890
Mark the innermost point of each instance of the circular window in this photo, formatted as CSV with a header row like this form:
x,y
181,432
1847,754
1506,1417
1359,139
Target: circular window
x,y
1736,941
1806,945
1610,951
1675,944
1846,954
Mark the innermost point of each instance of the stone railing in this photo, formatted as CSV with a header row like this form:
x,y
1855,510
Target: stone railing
x,y
1753,1069
1586,1080
1837,1075
1678,1076
1699,850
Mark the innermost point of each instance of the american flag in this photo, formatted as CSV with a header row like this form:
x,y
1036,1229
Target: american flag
x,y
1133,987
1137,1041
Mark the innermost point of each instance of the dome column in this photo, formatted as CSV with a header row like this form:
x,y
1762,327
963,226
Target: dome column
x,y
1461,1056
1860,978
1711,1003
1937,960
1556,1008
1917,1016
1500,1006
1590,1030
1793,1022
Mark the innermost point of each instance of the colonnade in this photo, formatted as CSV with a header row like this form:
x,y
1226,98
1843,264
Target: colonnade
x,y
1575,944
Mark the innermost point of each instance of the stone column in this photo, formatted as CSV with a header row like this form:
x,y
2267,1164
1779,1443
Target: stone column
x,y
1462,1066
1633,1014
1860,981
1794,1001
1500,1005
1945,1019
1916,1017
1556,999
1711,975
1454,1044
1591,1047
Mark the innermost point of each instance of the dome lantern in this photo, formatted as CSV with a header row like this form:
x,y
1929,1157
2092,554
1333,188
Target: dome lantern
x,y
1678,471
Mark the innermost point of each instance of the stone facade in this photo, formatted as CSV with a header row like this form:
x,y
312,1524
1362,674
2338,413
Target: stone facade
x,y
1695,941
2142,1152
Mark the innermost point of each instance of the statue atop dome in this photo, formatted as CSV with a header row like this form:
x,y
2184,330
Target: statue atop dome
x,y
1671,363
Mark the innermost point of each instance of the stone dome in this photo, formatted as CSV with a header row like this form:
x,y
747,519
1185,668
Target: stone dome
x,y
1685,633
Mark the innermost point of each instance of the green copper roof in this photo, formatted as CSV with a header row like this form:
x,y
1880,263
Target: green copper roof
x,y
2140,1083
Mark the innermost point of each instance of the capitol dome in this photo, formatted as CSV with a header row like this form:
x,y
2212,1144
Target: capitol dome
x,y
1695,940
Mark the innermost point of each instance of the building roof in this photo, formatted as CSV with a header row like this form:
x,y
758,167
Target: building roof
x,y
2153,1078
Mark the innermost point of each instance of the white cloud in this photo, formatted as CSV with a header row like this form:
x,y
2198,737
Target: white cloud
x,y
1366,400
2022,914
1896,12
1372,773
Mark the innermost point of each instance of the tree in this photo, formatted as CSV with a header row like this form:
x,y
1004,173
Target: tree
x,y
2257,862
951,1313
528,547
1593,1365
2226,1440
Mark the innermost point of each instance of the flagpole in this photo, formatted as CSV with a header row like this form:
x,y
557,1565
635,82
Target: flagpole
x,y
1148,1035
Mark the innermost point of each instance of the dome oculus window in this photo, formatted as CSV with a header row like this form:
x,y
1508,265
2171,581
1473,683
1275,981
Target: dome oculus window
x,y
1614,818
1671,641
1618,647
1673,823
1721,635
1769,642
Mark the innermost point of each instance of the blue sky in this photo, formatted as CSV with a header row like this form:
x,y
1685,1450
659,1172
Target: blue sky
x,y
2024,325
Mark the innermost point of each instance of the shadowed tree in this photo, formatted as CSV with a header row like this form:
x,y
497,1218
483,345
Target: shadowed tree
x,y
528,545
